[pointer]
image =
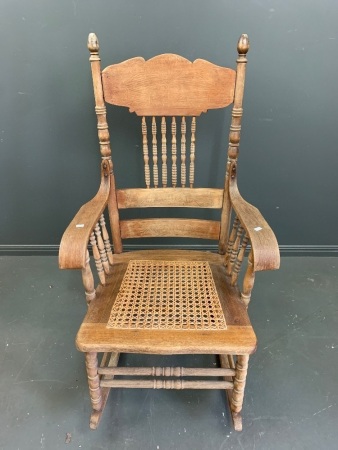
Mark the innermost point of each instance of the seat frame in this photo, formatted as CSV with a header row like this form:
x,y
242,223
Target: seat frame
x,y
247,231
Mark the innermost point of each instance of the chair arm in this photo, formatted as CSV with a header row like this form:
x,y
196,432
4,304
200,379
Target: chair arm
x,y
74,242
263,240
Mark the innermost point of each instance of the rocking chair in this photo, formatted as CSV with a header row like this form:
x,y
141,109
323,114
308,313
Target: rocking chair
x,y
168,302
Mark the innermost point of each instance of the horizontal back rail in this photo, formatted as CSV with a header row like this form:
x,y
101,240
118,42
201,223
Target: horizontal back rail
x,y
168,85
168,197
193,228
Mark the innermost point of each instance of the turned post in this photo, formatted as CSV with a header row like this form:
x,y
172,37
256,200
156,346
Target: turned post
x,y
155,166
234,136
241,368
231,242
173,152
106,240
239,260
145,152
88,280
235,249
183,151
102,248
93,380
97,259
104,138
164,152
192,152
249,280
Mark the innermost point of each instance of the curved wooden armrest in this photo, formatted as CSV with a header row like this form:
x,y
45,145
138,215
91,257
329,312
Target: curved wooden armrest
x,y
263,240
74,242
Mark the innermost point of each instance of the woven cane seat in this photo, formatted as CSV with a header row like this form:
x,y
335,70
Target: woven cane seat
x,y
178,295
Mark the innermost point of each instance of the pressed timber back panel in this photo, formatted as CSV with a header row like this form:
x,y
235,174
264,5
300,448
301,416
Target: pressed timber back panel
x,y
168,85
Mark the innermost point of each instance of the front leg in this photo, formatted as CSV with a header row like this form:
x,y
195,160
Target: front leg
x,y
93,380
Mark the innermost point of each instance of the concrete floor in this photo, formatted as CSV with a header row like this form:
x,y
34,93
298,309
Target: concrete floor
x,y
292,388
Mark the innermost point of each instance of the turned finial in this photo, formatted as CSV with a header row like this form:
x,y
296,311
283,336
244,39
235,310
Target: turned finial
x,y
243,44
93,43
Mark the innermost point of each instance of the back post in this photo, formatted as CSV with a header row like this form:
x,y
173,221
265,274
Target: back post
x,y
234,137
104,138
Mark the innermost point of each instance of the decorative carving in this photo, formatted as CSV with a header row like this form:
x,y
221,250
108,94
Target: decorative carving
x,y
93,380
164,151
145,152
183,151
166,371
102,126
243,44
173,152
239,260
155,168
104,139
97,259
93,43
158,383
106,240
237,111
235,249
239,383
231,242
101,247
234,135
249,280
88,281
192,152
175,85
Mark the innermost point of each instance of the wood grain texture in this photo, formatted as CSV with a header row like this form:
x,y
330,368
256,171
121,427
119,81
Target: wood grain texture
x,y
235,339
239,383
114,218
238,338
248,281
167,198
168,85
157,383
93,380
104,138
109,360
164,152
183,152
88,280
234,135
227,362
167,371
97,259
263,241
192,228
73,247
106,239
192,152
170,255
100,108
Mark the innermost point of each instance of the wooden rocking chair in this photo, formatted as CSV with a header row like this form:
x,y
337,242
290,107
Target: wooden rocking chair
x,y
168,302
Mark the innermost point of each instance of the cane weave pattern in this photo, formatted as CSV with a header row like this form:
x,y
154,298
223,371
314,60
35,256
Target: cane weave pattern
x,y
167,295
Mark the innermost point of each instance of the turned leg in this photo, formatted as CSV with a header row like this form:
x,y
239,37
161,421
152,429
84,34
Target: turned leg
x,y
108,360
236,403
93,381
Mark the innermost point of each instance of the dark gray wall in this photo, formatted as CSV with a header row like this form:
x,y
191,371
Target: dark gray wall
x,y
49,150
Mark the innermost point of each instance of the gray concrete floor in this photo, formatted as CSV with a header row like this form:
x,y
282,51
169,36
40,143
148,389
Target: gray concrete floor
x,y
292,388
